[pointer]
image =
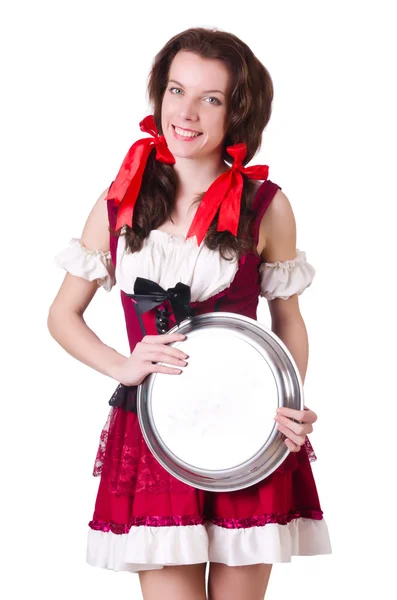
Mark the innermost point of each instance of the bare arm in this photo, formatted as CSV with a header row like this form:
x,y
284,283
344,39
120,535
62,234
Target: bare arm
x,y
65,319
293,332
67,326
278,232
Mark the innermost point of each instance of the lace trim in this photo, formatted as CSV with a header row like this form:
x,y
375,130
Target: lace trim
x,y
129,467
155,521
125,461
103,439
262,520
183,521
309,450
125,397
127,464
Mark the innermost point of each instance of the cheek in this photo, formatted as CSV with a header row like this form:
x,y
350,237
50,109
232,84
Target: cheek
x,y
167,114
217,125
169,104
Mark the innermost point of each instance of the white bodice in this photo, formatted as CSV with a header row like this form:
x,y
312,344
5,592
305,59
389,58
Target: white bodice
x,y
168,259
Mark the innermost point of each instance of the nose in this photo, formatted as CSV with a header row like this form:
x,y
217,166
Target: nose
x,y
188,109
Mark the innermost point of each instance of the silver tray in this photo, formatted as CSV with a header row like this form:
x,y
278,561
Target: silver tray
x,y
213,426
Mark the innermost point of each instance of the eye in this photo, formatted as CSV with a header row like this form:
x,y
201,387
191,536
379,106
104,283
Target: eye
x,y
217,102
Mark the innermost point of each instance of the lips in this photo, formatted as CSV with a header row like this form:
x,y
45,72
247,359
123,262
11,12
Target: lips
x,y
186,136
189,130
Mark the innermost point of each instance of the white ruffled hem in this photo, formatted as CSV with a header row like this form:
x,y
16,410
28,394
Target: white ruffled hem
x,y
282,279
88,264
147,548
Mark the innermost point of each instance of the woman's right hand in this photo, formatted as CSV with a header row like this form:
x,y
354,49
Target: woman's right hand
x,y
147,354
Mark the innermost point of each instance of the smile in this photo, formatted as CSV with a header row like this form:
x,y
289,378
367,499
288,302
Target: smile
x,y
183,133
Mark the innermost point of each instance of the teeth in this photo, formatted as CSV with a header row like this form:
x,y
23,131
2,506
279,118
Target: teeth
x,y
186,133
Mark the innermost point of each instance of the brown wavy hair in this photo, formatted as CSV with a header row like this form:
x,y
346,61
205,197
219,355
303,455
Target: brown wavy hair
x,y
249,112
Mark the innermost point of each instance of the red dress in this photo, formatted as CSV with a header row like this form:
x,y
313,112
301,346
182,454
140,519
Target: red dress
x,y
145,518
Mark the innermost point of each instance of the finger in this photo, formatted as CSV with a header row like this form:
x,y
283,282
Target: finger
x,y
160,357
291,435
298,428
164,338
165,351
305,416
291,446
156,368
314,416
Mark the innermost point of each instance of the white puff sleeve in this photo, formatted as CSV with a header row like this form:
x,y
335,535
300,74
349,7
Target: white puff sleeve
x,y
88,264
282,279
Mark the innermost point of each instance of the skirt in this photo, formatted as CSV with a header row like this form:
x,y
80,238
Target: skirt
x,y
145,518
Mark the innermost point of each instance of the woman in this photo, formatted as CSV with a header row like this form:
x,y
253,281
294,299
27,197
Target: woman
x,y
176,214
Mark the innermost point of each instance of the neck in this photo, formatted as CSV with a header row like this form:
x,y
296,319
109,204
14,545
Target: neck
x,y
196,175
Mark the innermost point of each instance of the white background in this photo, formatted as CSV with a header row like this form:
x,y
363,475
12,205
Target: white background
x,y
73,92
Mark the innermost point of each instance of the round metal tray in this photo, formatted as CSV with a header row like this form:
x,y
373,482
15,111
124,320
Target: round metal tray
x,y
213,426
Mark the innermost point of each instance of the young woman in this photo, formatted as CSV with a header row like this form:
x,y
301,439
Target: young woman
x,y
183,208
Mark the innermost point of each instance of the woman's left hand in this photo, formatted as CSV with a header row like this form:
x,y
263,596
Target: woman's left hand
x,y
295,432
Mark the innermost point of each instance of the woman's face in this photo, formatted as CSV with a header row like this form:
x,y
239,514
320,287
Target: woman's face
x,y
195,102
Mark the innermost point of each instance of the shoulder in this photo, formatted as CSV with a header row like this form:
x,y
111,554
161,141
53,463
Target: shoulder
x,y
277,231
254,191
96,229
279,210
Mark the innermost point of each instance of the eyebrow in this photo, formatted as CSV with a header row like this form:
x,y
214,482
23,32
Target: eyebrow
x,y
204,92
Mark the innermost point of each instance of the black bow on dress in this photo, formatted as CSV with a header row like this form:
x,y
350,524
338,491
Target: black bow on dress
x,y
148,295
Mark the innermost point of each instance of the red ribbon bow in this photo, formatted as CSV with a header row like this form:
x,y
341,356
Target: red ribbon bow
x,y
125,188
225,192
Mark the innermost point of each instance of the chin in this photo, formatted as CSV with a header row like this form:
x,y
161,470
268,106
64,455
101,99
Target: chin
x,y
182,149
178,153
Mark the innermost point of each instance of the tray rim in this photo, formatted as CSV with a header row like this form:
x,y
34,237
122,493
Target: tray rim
x,y
210,482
